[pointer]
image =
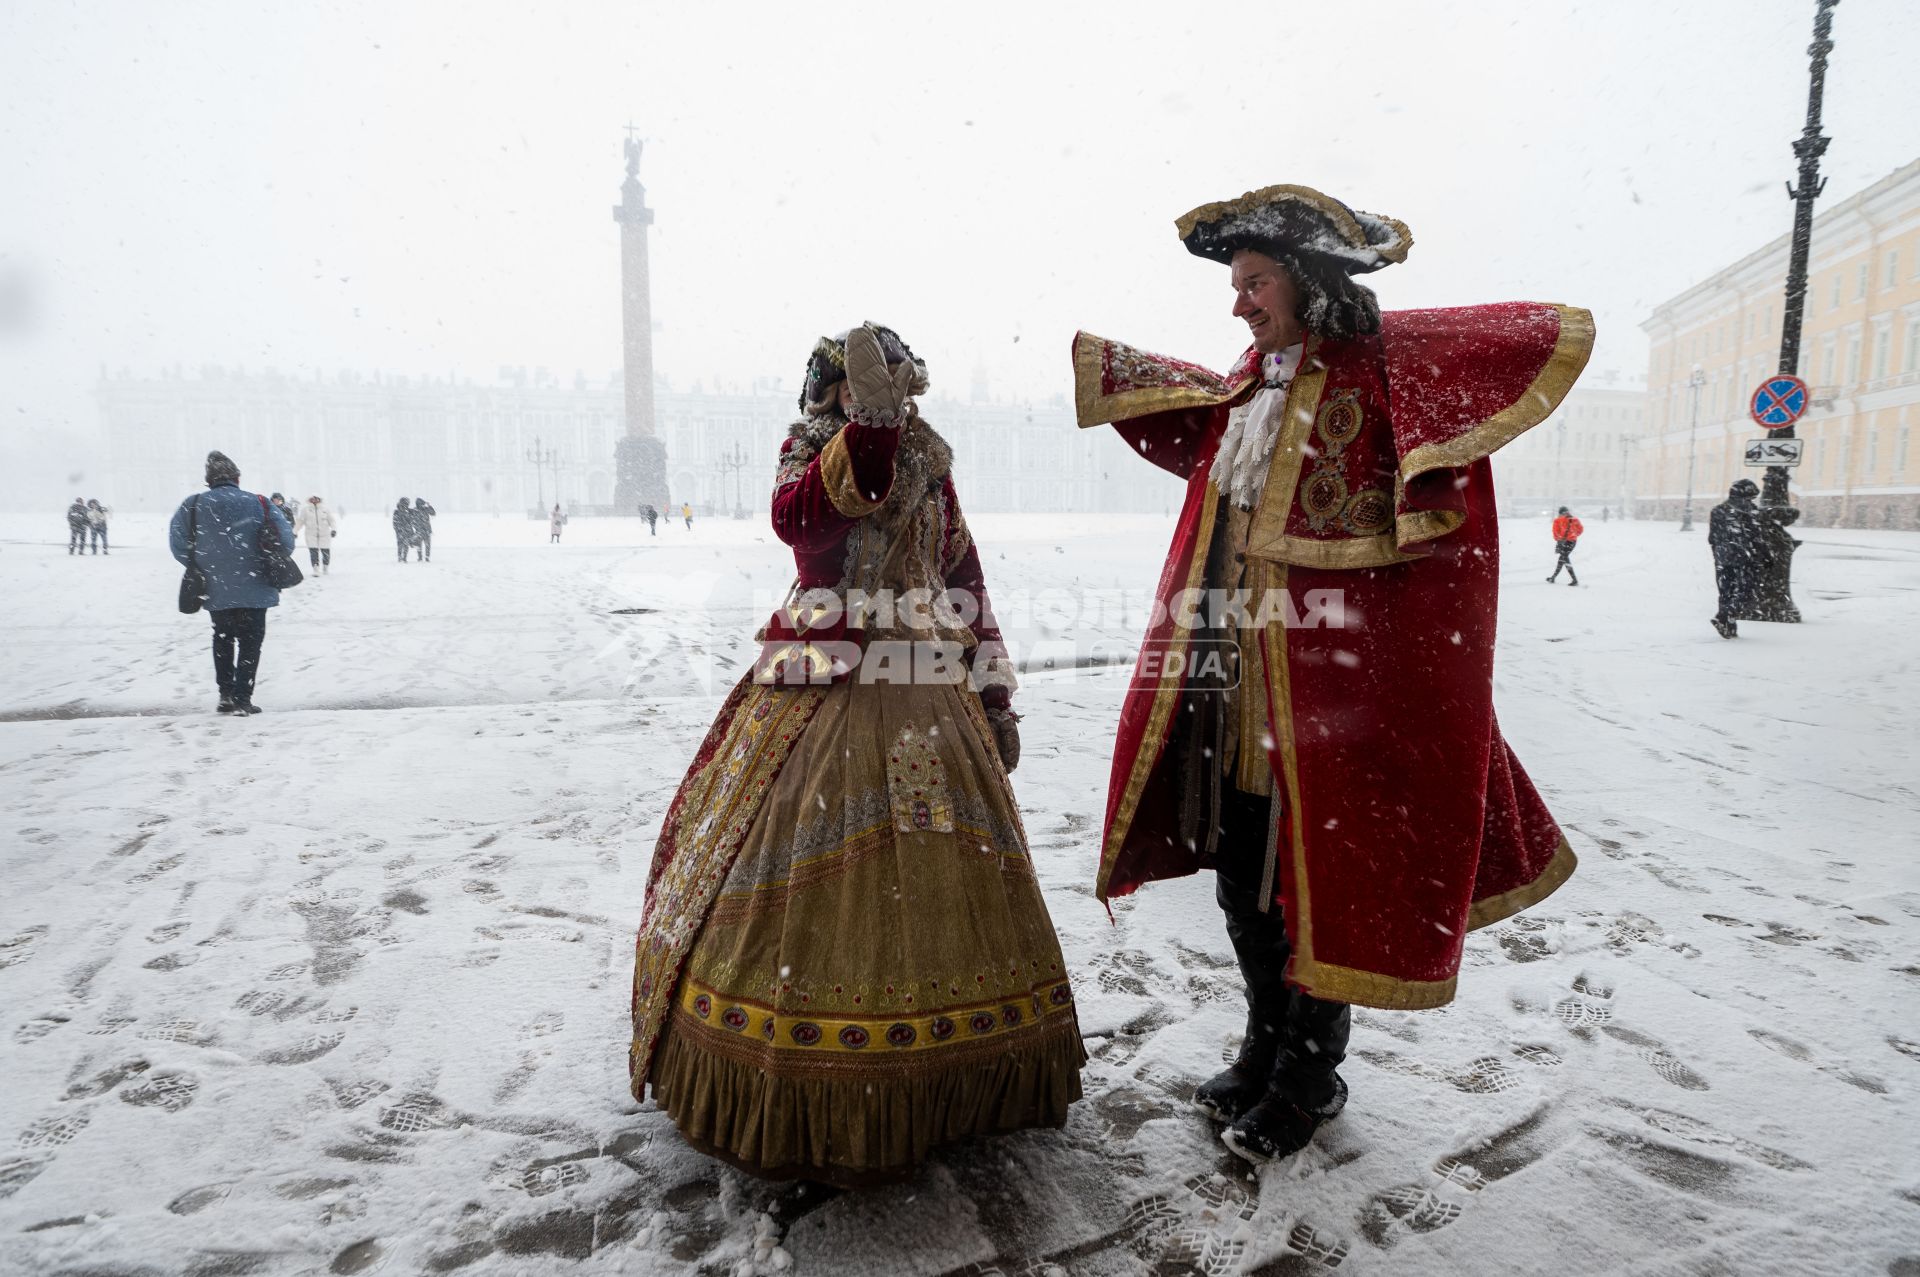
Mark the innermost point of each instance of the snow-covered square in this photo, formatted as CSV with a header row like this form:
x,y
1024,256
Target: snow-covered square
x,y
342,988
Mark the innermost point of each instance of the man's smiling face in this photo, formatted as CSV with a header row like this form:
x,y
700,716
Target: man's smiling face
x,y
1264,296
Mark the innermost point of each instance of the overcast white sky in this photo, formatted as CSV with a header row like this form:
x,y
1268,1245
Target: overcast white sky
x,y
427,188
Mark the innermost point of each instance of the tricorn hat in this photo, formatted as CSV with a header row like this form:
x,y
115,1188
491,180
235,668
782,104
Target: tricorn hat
x,y
1295,220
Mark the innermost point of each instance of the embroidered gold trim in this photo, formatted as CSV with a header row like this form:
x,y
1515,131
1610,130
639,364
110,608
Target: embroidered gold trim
x,y
1273,649
833,350
1339,420
1373,989
1164,696
1337,555
721,803
769,1029
1323,494
1416,526
1289,454
1395,252
1093,407
1343,221
1555,378
836,472
1368,513
1370,988
1485,913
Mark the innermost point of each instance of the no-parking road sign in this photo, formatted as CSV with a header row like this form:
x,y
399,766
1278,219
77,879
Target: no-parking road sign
x,y
1779,401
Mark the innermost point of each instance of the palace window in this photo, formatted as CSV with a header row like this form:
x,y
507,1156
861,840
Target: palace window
x,y
1882,350
1893,267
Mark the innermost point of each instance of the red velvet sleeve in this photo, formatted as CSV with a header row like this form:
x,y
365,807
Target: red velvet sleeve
x,y
804,515
1171,440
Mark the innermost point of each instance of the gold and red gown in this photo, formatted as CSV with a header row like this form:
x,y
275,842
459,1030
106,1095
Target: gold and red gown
x,y
1402,818
844,958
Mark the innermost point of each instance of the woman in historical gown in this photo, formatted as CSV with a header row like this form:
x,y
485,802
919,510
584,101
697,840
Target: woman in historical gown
x,y
844,958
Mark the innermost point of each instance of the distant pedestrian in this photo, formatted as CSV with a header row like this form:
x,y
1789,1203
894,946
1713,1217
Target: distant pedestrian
x,y
1606,513
1566,535
291,515
555,522
652,516
686,512
403,527
97,516
77,526
316,523
423,528
1735,536
219,531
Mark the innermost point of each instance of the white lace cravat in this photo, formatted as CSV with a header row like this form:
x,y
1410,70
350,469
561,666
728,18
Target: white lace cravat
x,y
1246,450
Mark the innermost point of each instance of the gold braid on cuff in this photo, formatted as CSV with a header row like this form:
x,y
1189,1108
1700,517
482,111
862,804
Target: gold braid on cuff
x,y
836,472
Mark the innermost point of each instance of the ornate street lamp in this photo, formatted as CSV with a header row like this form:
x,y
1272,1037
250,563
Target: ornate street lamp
x,y
1696,380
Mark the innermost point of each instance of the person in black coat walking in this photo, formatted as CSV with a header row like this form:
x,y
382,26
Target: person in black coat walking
x,y
652,516
77,525
423,529
403,527
1735,536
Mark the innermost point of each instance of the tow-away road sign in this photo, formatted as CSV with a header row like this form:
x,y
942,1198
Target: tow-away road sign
x,y
1774,452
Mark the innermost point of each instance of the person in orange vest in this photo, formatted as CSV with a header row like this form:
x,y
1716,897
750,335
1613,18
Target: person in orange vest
x,y
1566,534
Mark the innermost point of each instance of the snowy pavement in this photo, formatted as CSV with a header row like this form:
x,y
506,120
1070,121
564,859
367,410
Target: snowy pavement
x,y
342,988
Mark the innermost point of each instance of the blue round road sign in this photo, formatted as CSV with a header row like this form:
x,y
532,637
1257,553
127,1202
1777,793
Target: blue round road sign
x,y
1779,401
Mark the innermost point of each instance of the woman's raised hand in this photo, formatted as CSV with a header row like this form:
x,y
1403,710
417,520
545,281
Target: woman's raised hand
x,y
879,394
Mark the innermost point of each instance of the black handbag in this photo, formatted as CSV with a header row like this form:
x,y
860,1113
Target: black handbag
x,y
193,582
277,564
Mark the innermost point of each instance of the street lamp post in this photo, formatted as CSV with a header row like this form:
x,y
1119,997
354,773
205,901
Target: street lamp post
x,y
540,459
1810,146
1696,380
1626,482
735,461
1772,592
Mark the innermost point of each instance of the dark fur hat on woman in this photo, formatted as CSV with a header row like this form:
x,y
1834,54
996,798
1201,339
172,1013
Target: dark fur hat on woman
x,y
827,368
1317,240
220,469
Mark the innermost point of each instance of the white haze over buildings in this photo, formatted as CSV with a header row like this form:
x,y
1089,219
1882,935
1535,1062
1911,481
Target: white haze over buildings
x,y
342,186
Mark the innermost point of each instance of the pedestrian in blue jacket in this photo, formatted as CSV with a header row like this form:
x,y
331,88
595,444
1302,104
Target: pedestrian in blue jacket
x,y
223,525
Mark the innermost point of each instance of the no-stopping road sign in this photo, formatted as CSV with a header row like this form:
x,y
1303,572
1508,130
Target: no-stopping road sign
x,y
1779,401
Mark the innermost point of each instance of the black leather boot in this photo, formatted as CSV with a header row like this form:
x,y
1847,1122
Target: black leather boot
x,y
1284,1120
1239,1086
1305,1090
1260,943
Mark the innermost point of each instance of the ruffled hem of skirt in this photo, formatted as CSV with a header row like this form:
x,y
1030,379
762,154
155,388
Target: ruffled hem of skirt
x,y
864,1127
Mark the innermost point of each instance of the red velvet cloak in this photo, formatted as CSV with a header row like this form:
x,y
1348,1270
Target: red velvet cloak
x,y
1405,818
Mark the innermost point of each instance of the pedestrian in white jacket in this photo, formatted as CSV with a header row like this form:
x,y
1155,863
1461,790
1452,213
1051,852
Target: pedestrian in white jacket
x,y
315,522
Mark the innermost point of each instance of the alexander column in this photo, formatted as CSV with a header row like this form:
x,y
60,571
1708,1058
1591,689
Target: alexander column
x,y
640,458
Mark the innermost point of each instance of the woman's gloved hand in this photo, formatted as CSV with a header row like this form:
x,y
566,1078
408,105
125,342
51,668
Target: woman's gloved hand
x,y
879,393
1006,736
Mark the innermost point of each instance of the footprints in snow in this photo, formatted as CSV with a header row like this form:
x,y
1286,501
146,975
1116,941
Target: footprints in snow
x,y
1796,1051
1445,1191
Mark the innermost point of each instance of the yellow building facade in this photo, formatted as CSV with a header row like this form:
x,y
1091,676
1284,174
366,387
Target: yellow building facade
x,y
1859,350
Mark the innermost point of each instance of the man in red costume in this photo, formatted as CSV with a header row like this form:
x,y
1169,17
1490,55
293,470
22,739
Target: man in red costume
x,y
1312,713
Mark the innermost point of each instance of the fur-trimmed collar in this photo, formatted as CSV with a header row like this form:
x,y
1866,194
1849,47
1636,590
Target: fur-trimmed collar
x,y
921,462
